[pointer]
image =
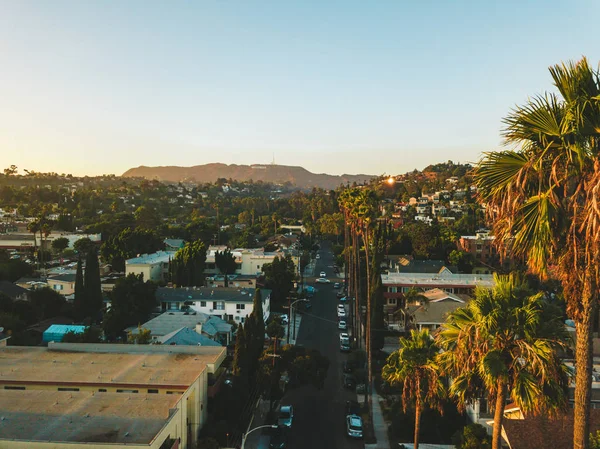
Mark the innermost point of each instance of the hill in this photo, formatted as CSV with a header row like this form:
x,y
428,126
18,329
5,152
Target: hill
x,y
298,176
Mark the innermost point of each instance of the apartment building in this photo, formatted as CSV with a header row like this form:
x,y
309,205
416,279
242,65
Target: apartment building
x,y
86,396
153,267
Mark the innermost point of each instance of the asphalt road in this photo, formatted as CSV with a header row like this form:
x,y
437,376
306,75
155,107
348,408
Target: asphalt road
x,y
319,419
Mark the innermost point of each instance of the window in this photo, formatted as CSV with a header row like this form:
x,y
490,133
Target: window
x,y
174,392
230,317
258,267
202,303
240,306
152,391
13,387
393,289
127,391
58,287
67,389
101,390
391,301
220,305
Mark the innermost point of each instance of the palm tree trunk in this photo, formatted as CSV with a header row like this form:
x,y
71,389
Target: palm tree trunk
x,y
417,423
357,274
583,360
369,353
498,415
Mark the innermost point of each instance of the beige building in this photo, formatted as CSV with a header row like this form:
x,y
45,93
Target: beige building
x,y
103,395
62,283
153,267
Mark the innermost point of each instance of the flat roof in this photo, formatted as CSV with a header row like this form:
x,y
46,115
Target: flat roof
x,y
444,279
24,364
157,257
228,294
83,416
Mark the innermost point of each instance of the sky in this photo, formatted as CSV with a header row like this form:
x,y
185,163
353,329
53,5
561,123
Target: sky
x,y
96,87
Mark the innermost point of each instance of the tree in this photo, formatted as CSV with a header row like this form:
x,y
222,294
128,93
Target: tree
x,y
79,299
461,259
60,244
542,199
226,264
47,302
129,243
10,171
279,277
413,366
275,330
93,302
473,436
132,302
504,342
84,246
89,335
240,356
142,337
147,217
187,266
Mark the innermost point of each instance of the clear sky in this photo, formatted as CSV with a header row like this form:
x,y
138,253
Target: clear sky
x,y
92,87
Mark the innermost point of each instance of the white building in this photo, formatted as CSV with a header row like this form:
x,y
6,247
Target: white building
x,y
153,267
227,303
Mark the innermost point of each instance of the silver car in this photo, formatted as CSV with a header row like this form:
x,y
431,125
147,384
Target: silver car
x,y
354,428
286,415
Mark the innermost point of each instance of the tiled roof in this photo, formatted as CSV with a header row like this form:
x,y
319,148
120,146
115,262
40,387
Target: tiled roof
x,y
67,277
169,322
187,336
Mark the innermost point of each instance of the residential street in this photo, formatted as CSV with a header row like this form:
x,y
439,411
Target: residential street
x,y
319,420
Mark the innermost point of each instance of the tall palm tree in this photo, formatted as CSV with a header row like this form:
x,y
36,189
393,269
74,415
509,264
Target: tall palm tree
x,y
543,198
504,342
413,366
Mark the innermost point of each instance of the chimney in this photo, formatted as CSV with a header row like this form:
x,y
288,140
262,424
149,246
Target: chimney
x,y
199,328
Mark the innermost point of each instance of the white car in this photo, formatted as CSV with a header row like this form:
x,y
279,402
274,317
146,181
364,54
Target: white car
x,y
284,319
322,274
317,257
341,307
323,281
354,427
344,336
342,325
341,313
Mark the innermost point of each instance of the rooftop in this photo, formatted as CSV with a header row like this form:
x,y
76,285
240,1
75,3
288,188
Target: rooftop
x,y
66,277
11,290
168,322
155,366
187,336
444,278
157,257
230,294
61,416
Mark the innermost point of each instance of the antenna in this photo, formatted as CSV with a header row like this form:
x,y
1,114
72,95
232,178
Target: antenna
x,y
273,161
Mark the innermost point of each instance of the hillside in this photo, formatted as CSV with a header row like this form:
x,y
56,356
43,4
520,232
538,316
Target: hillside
x,y
298,176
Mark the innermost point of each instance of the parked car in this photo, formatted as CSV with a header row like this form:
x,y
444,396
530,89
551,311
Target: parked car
x,y
279,438
322,274
349,365
349,381
341,296
344,347
323,281
336,285
341,307
341,313
354,428
361,388
283,318
342,325
344,337
286,415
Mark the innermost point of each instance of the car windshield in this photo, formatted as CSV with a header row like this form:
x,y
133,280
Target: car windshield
x,y
284,414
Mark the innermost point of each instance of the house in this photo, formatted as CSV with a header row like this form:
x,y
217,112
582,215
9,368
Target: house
x,y
481,246
210,326
249,261
432,312
234,280
227,303
13,291
187,337
105,395
63,283
173,244
395,284
153,267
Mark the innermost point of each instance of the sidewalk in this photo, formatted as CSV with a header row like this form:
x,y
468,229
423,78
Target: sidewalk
x,y
379,425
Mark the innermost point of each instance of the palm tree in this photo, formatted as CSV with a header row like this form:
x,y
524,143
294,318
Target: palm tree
x,y
413,366
504,342
543,199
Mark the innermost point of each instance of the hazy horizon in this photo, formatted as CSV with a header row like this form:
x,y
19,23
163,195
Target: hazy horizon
x,y
92,88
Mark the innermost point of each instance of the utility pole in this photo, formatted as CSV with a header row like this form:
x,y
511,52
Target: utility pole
x,y
289,319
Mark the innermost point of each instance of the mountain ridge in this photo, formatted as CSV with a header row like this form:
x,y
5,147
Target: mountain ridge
x,y
296,175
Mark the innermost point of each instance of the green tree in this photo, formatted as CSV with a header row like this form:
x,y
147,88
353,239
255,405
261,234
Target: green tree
x,y
91,334
142,337
93,302
413,366
279,277
127,244
60,244
504,342
132,302
275,330
226,264
147,218
84,246
47,302
187,266
79,299
463,260
542,199
473,436
240,356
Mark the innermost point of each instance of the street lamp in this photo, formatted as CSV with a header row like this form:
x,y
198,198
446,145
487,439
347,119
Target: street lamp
x,y
289,318
272,426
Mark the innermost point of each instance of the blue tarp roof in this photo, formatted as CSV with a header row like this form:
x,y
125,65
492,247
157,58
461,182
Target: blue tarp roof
x,y
56,331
